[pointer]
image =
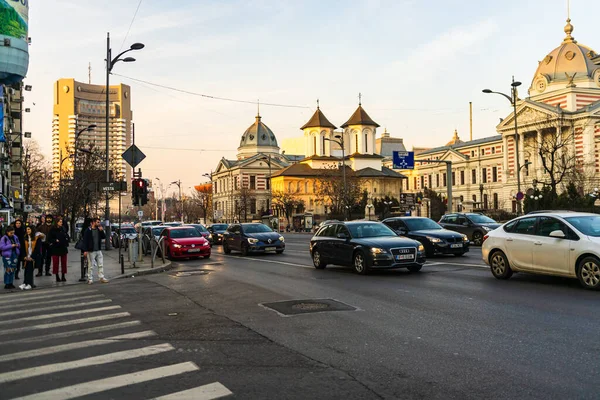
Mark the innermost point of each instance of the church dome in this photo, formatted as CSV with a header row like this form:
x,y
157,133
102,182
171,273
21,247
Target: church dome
x,y
258,134
568,65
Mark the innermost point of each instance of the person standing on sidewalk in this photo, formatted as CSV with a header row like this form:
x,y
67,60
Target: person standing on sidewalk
x,y
33,254
20,234
92,249
58,241
46,255
9,246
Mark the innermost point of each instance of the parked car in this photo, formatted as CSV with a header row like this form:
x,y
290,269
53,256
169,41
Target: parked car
x,y
252,238
563,243
474,225
148,233
120,236
175,223
151,223
217,231
436,239
364,246
203,231
185,242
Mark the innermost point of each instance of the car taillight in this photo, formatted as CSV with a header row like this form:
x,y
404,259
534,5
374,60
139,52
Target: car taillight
x,y
485,238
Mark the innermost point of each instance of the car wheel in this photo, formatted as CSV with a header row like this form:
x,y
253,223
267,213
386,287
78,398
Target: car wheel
x,y
588,273
318,262
500,266
477,238
244,249
360,263
169,254
226,248
415,268
279,251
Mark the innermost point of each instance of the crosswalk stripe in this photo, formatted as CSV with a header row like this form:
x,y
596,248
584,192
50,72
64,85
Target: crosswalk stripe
x,y
85,362
16,304
77,332
44,295
32,310
64,323
205,392
71,346
115,382
57,315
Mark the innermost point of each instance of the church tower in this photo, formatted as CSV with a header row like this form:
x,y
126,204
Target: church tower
x,y
316,131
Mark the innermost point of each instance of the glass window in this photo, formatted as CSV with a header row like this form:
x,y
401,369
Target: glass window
x,y
588,225
484,175
460,220
329,230
370,230
510,226
419,224
473,176
256,228
342,229
480,219
525,226
547,225
184,233
450,219
494,174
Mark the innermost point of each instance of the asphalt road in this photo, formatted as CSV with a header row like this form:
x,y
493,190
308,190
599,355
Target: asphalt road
x,y
450,331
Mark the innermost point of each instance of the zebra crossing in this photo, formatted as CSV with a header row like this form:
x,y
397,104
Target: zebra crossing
x,y
68,343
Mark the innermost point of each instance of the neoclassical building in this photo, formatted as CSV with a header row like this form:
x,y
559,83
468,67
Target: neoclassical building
x,y
562,111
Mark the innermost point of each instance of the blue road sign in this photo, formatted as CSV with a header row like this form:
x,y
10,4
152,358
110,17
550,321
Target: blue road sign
x,y
404,160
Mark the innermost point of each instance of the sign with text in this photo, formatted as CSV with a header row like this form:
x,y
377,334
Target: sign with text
x,y
404,159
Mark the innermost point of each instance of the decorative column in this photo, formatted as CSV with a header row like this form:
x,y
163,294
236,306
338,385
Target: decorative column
x,y
538,159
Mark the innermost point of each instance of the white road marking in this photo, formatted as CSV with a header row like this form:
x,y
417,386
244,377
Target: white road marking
x,y
17,303
78,332
205,392
57,315
29,310
114,382
72,346
44,295
458,264
64,323
85,362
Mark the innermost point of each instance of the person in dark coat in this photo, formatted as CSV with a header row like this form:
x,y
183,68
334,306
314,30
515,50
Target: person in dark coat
x,y
58,242
32,250
46,255
19,233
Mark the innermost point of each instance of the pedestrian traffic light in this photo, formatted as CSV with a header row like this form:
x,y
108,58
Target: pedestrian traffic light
x,y
143,192
137,188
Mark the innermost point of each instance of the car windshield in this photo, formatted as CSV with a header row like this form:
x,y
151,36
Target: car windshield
x,y
200,228
369,230
220,227
421,224
127,231
588,225
157,231
256,228
184,233
481,219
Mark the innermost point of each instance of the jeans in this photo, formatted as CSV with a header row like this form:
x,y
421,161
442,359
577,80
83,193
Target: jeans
x,y
28,269
63,264
95,259
10,265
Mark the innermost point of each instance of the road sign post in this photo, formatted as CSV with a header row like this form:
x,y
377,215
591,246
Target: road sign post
x,y
404,159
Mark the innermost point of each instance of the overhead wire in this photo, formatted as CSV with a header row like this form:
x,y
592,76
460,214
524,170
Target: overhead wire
x,y
131,24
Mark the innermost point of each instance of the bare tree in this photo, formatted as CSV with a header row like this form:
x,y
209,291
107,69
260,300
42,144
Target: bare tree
x,y
286,202
202,199
244,200
330,189
36,177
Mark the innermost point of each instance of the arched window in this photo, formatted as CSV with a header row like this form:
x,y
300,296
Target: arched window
x,y
366,143
314,145
356,142
305,187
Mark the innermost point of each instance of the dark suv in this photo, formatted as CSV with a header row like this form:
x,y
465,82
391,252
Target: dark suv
x,y
474,225
252,238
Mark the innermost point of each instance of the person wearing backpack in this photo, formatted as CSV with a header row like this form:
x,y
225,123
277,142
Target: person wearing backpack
x,y
9,246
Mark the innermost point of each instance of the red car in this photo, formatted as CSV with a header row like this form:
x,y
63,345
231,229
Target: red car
x,y
185,242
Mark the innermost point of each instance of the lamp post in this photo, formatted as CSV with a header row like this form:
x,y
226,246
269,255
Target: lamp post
x,y
340,141
209,176
370,207
513,98
387,205
481,187
178,183
110,63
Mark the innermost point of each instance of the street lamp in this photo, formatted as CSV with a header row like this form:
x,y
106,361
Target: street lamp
x,y
340,142
178,183
513,98
387,205
370,207
110,63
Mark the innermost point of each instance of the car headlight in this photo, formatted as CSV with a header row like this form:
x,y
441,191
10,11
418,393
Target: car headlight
x,y
281,239
210,236
205,243
421,248
434,240
465,238
377,250
487,229
177,246
252,240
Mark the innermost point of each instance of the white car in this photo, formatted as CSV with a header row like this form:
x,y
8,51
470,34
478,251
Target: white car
x,y
551,243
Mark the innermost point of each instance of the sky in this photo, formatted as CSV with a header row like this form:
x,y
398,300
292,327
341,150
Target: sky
x,y
418,64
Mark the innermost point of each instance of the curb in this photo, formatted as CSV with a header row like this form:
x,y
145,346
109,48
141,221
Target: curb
x,y
145,271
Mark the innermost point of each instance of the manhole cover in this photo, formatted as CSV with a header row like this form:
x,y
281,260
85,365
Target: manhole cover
x,y
295,307
180,274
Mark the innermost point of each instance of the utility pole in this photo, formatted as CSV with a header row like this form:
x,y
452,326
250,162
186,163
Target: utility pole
x,y
178,183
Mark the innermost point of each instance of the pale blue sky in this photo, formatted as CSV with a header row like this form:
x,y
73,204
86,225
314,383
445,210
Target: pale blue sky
x,y
417,64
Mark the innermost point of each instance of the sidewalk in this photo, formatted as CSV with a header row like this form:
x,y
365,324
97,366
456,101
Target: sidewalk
x,y
112,270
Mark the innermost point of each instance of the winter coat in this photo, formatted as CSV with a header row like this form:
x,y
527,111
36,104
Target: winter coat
x,y
36,245
45,229
88,240
58,240
6,246
20,233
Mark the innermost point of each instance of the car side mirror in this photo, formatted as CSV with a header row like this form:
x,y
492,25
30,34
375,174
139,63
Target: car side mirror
x,y
558,234
342,235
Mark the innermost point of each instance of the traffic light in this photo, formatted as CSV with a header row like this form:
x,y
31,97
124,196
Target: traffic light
x,y
137,188
143,192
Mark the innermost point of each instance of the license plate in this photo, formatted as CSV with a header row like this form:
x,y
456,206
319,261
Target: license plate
x,y
194,251
405,257
456,246
270,248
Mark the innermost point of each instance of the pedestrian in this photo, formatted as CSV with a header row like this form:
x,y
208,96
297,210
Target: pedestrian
x,y
58,242
33,255
9,246
92,249
20,234
46,256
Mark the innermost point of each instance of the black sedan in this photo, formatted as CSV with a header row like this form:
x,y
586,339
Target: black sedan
x,y
364,246
217,231
436,239
252,238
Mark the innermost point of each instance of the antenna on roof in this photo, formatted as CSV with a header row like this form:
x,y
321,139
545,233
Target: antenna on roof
x,y
257,108
317,104
90,73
